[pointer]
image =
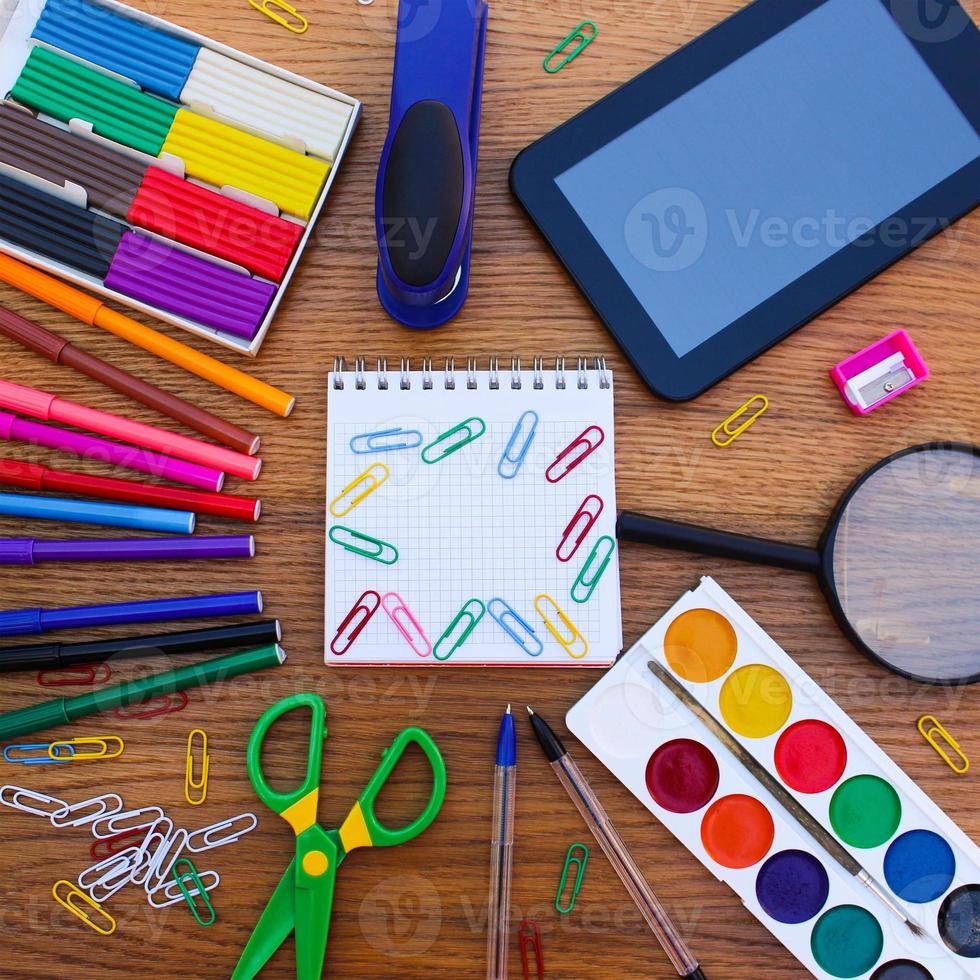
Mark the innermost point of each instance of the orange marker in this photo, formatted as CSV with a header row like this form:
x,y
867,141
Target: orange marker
x,y
94,312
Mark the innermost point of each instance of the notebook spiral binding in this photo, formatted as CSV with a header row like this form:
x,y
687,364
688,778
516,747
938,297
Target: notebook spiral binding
x,y
471,377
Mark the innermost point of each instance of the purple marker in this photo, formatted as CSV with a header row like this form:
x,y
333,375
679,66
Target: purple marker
x,y
117,453
31,551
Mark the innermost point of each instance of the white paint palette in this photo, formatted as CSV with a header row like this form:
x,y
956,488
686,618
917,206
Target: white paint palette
x,y
691,782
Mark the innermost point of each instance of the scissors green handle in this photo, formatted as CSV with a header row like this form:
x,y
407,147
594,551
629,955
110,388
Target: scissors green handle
x,y
304,897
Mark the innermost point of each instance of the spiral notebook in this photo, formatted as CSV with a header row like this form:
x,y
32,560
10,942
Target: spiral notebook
x,y
471,515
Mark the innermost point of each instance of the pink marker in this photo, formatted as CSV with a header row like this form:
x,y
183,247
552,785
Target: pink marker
x,y
130,457
41,405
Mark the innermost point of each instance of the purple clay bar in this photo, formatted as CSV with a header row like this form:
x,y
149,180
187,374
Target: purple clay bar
x,y
189,286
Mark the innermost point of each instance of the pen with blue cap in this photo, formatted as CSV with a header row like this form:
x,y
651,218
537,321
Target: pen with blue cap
x,y
501,848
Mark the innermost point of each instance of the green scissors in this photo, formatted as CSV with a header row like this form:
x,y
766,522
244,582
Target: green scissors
x,y
304,897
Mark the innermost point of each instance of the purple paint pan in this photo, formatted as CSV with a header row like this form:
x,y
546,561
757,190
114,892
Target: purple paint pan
x,y
188,286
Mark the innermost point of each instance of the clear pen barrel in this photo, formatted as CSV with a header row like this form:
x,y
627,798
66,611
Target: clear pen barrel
x,y
501,845
620,858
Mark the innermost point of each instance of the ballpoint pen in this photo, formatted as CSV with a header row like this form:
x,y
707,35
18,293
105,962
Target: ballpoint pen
x,y
595,816
501,849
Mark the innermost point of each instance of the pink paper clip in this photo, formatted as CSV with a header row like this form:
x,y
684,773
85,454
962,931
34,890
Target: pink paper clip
x,y
579,449
365,607
412,629
583,522
880,373
75,675
155,707
108,846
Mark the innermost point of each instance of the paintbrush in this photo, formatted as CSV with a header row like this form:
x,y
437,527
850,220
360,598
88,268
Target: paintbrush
x,y
809,823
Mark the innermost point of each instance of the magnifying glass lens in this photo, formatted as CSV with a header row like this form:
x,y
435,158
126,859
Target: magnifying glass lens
x,y
905,564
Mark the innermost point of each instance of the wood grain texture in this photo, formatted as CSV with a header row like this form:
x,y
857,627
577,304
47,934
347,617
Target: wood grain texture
x,y
419,911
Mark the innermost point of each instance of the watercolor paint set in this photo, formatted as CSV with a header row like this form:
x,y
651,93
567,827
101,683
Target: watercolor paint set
x,y
189,175
686,776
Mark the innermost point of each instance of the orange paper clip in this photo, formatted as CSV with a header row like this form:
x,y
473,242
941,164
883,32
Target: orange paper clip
x,y
355,621
575,453
724,435
937,736
581,523
75,675
360,487
529,935
406,623
574,644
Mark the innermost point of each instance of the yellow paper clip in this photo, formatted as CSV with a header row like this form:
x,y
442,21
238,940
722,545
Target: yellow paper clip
x,y
190,783
581,36
73,891
725,435
360,487
104,747
265,6
930,728
575,645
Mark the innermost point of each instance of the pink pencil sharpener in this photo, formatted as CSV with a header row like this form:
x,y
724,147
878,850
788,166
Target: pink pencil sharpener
x,y
879,373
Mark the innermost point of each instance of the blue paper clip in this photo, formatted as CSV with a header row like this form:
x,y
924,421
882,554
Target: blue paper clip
x,y
375,442
42,759
509,464
510,613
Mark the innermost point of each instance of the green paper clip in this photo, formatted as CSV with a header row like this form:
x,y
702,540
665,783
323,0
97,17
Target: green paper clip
x,y
182,877
464,426
592,570
381,551
472,610
580,860
583,40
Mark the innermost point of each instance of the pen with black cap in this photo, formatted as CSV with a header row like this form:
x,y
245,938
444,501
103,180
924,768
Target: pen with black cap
x,y
615,850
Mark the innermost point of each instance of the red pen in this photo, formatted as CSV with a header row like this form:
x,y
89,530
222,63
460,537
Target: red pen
x,y
34,476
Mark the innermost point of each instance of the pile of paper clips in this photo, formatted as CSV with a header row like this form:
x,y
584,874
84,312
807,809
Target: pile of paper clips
x,y
132,847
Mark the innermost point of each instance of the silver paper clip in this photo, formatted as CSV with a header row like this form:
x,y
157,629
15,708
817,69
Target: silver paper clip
x,y
510,463
387,440
203,839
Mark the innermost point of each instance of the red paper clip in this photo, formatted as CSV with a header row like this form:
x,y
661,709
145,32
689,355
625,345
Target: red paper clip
x,y
155,707
583,521
76,675
530,938
366,612
580,448
107,846
407,624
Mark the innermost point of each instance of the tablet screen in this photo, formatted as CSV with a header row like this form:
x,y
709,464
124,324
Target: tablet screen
x,y
757,175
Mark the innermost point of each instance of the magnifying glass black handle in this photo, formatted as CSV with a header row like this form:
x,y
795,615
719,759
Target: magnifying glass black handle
x,y
720,544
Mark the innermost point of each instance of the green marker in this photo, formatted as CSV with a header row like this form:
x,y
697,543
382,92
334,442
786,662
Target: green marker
x,y
63,711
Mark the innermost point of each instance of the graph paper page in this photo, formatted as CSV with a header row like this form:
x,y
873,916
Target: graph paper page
x,y
462,531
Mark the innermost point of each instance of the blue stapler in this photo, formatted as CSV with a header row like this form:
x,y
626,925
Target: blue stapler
x,y
427,174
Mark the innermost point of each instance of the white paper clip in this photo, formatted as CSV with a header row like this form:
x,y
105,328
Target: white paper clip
x,y
152,848
170,893
74,814
14,796
103,879
203,839
164,860
119,823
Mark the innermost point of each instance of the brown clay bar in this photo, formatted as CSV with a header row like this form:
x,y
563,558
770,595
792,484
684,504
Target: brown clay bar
x,y
110,178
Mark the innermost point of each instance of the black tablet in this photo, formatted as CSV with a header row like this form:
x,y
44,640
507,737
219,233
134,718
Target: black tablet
x,y
724,197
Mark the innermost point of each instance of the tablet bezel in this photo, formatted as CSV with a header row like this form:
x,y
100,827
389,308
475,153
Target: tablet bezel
x,y
533,181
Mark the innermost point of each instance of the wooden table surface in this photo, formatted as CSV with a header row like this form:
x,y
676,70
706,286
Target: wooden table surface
x,y
419,911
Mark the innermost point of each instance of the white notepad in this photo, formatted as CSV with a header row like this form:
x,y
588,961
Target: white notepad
x,y
477,536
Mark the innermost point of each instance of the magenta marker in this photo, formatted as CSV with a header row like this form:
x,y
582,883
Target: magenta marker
x,y
32,551
117,453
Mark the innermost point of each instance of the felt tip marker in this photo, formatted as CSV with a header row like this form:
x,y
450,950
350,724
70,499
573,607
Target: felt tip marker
x,y
85,512
588,805
31,551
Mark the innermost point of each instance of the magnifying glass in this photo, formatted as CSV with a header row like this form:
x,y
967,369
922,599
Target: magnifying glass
x,y
899,561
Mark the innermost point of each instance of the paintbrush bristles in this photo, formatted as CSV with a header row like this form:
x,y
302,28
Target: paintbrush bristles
x,y
796,809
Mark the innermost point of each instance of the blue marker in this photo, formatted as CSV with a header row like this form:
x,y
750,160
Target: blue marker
x,y
89,512
21,622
